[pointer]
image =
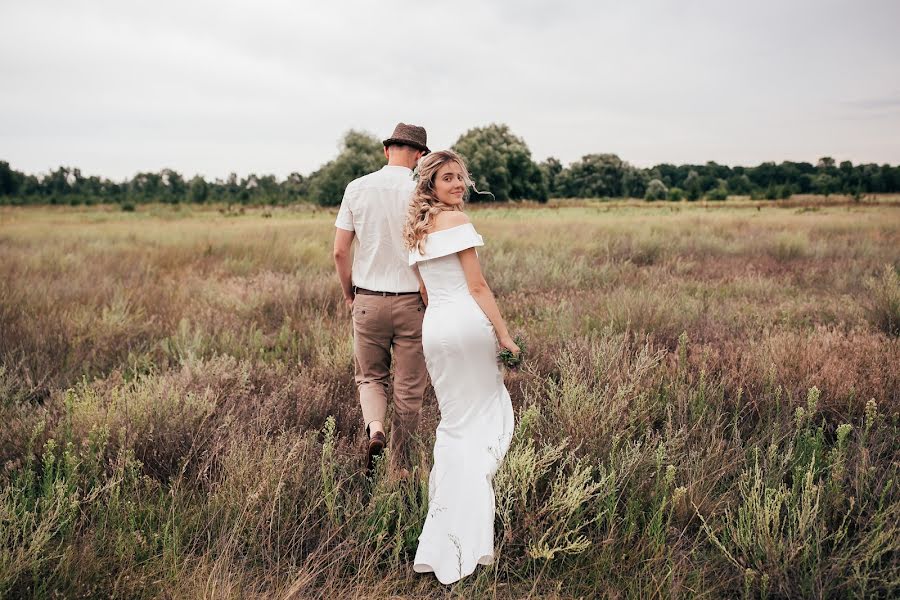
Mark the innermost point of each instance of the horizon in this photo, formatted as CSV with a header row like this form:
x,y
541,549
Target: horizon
x,y
242,175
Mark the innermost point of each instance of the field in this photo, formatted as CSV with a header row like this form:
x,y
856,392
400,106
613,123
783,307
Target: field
x,y
709,407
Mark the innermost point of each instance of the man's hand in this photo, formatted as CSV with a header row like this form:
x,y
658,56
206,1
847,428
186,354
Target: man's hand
x,y
348,300
424,293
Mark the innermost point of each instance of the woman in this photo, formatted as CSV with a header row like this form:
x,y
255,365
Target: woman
x,y
458,339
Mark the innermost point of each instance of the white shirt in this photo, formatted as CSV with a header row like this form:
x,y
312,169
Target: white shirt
x,y
375,207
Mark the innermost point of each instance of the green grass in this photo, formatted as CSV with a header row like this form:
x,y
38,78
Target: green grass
x,y
709,407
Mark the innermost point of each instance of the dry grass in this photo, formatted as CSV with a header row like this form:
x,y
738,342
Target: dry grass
x,y
710,407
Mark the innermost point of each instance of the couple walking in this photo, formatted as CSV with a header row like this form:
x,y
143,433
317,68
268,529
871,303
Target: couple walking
x,y
405,254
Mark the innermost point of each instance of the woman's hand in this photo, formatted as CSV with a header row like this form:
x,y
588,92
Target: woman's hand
x,y
508,343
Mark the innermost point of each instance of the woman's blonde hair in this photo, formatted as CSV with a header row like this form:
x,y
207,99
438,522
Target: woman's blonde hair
x,y
425,206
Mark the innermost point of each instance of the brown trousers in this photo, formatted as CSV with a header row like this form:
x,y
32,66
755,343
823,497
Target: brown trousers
x,y
379,324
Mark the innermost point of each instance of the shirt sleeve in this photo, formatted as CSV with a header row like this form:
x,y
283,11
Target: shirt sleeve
x,y
345,216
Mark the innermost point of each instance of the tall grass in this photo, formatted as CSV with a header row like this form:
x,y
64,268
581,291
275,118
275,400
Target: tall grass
x,y
710,408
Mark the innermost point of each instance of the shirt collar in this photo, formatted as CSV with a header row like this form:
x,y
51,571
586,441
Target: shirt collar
x,y
396,168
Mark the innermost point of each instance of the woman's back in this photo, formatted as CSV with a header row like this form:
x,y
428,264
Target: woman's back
x,y
439,265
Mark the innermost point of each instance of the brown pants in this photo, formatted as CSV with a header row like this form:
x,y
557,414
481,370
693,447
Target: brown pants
x,y
380,323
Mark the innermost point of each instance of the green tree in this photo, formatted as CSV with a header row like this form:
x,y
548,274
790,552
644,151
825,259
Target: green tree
x,y
551,168
500,163
10,180
295,187
826,162
198,189
360,153
595,176
692,186
173,185
720,192
656,190
146,186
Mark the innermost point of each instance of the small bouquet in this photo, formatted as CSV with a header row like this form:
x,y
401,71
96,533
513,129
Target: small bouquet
x,y
510,360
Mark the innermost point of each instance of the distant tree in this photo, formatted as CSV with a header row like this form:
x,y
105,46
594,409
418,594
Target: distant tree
x,y
173,186
10,180
693,189
360,153
198,189
826,162
826,184
595,176
500,163
676,194
739,185
719,192
656,190
146,187
551,168
634,182
295,186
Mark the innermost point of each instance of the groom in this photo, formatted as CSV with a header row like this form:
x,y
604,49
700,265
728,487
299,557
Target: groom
x,y
384,295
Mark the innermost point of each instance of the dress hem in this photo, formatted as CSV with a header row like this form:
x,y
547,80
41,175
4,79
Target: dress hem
x,y
425,567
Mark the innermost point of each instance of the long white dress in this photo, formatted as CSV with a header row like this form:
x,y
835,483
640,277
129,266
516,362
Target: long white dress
x,y
476,413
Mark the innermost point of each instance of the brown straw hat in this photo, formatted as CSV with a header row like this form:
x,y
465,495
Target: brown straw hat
x,y
409,135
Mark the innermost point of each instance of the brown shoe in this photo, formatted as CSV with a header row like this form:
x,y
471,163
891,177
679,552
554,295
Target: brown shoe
x,y
376,447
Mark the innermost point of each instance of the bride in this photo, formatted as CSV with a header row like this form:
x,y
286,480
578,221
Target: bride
x,y
460,335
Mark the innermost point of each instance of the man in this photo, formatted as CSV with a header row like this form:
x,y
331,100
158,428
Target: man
x,y
384,295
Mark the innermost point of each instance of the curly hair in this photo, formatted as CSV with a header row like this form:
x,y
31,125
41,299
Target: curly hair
x,y
424,205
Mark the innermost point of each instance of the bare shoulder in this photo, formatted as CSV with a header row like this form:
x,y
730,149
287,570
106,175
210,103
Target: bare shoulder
x,y
450,218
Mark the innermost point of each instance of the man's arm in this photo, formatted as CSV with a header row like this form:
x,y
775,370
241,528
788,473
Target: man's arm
x,y
343,261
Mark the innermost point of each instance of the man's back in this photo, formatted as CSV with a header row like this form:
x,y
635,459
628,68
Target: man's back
x,y
374,207
382,291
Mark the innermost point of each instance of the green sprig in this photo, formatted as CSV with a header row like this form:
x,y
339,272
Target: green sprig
x,y
510,360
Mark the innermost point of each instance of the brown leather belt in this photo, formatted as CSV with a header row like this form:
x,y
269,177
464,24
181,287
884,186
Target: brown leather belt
x,y
365,292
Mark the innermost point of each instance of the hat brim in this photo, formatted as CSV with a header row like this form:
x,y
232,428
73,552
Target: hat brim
x,y
403,142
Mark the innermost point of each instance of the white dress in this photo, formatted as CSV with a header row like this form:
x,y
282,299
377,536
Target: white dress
x,y
476,413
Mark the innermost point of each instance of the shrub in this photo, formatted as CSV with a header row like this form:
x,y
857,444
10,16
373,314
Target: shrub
x,y
676,194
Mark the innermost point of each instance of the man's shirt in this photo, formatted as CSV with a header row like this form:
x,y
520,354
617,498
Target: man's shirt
x,y
375,207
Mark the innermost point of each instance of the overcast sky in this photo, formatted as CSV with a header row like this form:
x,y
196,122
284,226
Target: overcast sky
x,y
115,87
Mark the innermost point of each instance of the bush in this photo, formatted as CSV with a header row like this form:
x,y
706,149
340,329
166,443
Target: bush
x,y
676,194
128,206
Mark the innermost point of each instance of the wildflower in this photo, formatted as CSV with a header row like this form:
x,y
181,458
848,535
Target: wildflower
x,y
670,475
812,399
843,431
871,413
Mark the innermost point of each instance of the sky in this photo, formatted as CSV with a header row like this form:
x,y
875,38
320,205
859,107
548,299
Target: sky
x,y
116,87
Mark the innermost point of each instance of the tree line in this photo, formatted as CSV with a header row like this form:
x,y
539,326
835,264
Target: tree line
x,y
501,165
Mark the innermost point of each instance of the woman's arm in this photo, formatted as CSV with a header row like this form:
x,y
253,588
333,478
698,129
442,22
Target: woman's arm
x,y
479,289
